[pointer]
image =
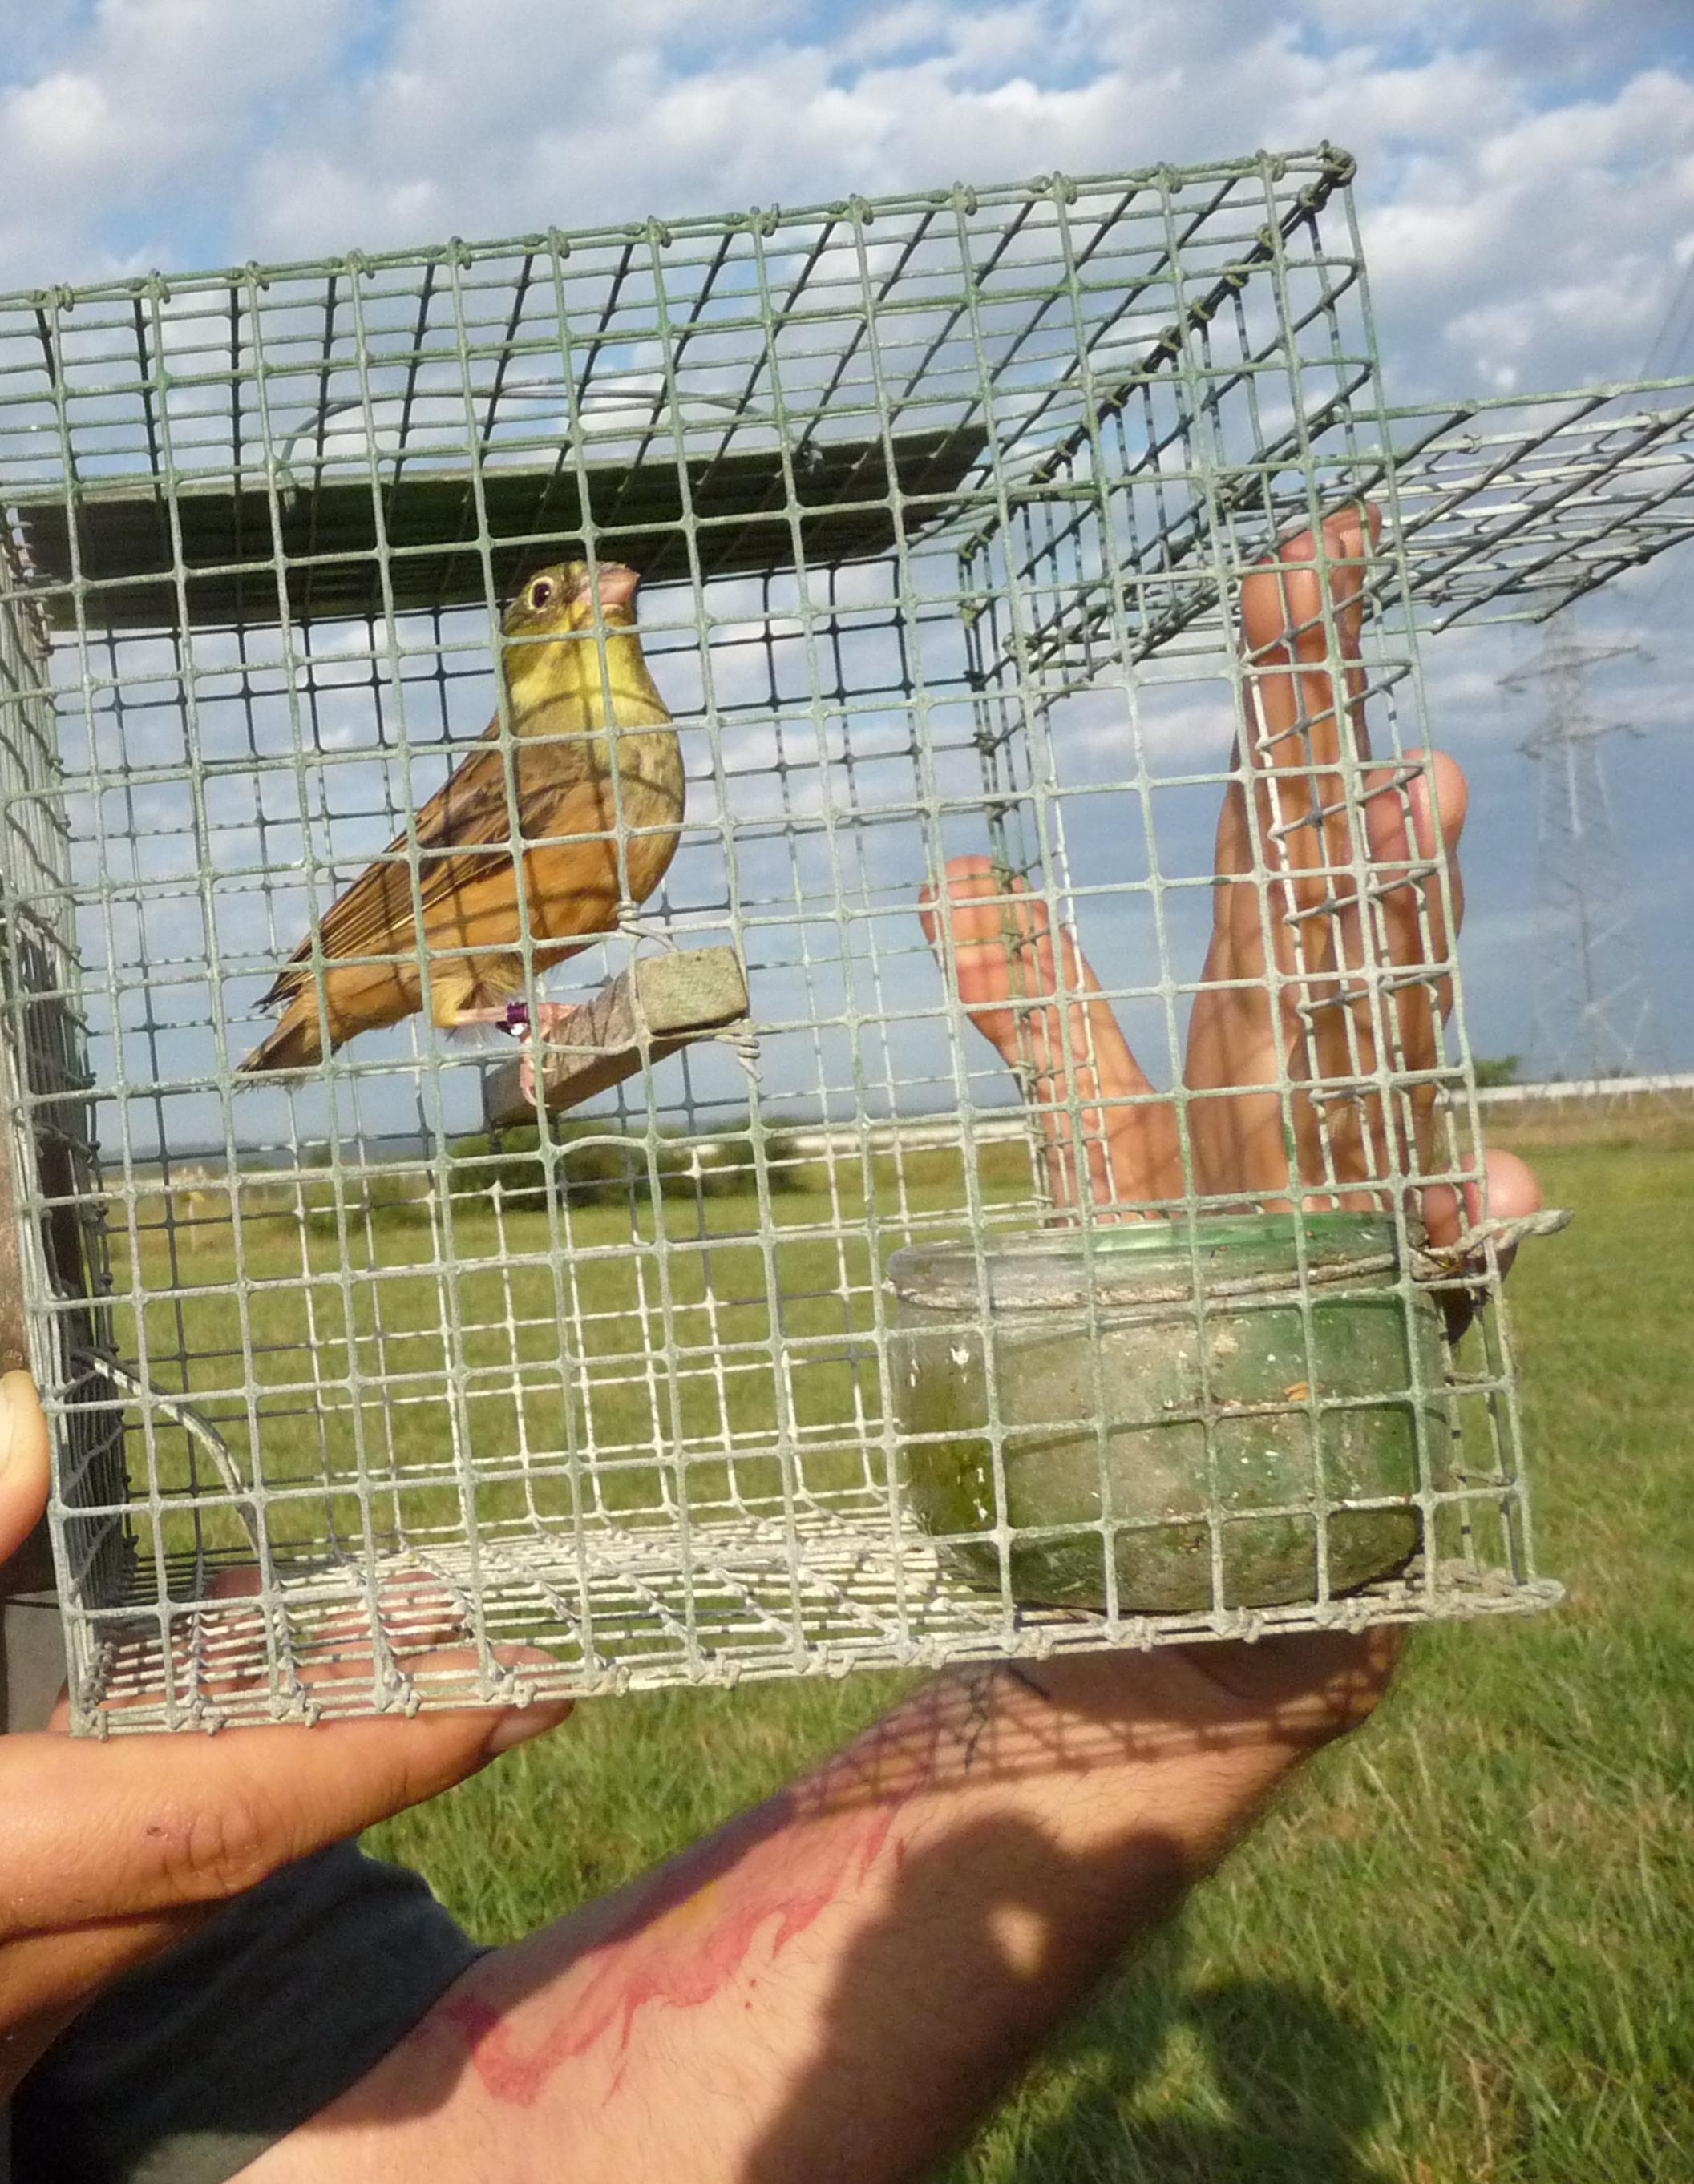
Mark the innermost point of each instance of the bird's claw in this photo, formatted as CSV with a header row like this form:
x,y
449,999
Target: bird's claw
x,y
529,1027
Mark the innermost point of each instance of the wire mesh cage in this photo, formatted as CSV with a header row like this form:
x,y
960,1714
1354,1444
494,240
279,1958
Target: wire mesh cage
x,y
1512,506
829,1331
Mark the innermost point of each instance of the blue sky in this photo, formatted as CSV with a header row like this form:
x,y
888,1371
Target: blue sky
x,y
1526,189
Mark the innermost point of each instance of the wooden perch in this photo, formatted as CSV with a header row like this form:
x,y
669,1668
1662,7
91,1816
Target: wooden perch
x,y
660,1005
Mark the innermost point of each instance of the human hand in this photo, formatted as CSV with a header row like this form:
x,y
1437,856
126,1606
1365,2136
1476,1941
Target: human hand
x,y
1274,1010
110,1852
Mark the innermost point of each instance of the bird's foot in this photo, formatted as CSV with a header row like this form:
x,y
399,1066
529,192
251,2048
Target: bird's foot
x,y
528,1025
517,1016
525,1024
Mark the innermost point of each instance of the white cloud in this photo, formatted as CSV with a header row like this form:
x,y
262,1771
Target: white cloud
x,y
1523,218
1526,185
1509,239
1542,252
138,112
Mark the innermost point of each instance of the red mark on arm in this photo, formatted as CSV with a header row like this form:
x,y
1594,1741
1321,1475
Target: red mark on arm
x,y
685,1933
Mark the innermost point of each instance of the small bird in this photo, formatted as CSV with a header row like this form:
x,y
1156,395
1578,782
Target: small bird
x,y
583,847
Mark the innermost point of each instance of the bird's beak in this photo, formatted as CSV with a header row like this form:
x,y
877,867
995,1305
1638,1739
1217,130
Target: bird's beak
x,y
617,584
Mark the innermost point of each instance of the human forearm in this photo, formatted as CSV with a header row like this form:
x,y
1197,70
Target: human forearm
x,y
836,1984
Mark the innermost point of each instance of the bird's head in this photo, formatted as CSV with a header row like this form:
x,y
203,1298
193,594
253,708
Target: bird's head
x,y
552,628
556,601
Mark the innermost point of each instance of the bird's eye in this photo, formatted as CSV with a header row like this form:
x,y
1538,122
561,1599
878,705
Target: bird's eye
x,y
541,594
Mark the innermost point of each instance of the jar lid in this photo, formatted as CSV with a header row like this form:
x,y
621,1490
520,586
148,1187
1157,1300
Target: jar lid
x,y
1147,1262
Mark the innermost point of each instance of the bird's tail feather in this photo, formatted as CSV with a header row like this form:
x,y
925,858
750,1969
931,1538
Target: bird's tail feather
x,y
295,1043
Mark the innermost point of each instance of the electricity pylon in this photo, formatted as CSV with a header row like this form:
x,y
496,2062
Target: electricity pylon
x,y
1592,1014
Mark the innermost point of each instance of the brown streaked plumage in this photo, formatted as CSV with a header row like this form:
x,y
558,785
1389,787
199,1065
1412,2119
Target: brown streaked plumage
x,y
569,836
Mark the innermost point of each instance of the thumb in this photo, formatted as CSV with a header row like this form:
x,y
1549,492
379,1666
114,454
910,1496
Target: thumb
x,y
92,1831
23,1461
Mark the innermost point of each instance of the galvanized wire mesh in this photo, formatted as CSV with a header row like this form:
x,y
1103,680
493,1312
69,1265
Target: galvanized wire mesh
x,y
943,506
1514,505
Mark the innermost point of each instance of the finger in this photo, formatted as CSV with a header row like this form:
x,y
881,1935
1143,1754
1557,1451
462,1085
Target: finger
x,y
1009,977
1304,707
1041,1010
232,1647
1299,708
1310,1684
1005,965
91,1831
1302,713
1414,816
418,1620
1321,908
24,1461
234,1658
1293,710
1513,1190
1310,710
1275,967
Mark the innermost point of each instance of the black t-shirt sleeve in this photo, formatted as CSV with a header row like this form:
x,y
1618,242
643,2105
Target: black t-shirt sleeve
x,y
187,2069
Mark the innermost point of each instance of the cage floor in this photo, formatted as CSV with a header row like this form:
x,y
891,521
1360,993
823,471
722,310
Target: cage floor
x,y
817,1590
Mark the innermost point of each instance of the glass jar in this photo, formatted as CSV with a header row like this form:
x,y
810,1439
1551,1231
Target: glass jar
x,y
1227,1405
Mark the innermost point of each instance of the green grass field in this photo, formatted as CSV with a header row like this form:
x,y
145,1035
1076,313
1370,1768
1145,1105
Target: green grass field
x,y
352,1319
1459,1952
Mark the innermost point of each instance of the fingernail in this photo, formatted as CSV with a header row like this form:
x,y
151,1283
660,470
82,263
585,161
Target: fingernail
x,y
520,1724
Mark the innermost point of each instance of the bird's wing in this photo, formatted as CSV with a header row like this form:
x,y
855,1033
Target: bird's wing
x,y
471,812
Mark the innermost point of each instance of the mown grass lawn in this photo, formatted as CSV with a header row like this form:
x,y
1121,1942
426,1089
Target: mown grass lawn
x,y
1460,1953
